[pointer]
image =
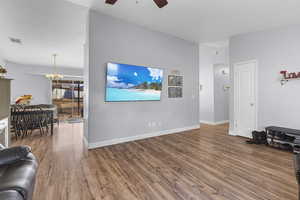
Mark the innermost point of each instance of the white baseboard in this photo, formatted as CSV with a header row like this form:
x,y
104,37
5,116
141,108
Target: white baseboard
x,y
222,122
139,137
214,123
206,122
231,132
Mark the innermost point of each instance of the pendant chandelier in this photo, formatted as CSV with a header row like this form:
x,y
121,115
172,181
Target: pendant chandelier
x,y
55,75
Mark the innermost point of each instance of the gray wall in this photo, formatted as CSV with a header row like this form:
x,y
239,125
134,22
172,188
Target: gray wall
x,y
206,79
221,96
214,101
28,79
115,40
274,50
86,78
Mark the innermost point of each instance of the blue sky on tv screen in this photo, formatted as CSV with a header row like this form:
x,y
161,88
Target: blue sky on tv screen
x,y
127,76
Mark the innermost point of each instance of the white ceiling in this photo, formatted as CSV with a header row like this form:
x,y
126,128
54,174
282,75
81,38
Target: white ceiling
x,y
203,20
57,26
45,27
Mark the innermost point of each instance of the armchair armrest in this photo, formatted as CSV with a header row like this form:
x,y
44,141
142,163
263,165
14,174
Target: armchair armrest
x,y
20,176
13,154
10,195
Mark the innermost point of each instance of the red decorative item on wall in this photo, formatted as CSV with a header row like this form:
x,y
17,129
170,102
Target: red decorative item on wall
x,y
288,76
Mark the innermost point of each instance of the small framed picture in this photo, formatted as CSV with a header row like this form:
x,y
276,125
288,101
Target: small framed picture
x,y
172,92
179,80
179,92
175,92
174,80
171,80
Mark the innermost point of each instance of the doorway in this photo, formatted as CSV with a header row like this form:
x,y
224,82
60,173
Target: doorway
x,y
67,95
245,98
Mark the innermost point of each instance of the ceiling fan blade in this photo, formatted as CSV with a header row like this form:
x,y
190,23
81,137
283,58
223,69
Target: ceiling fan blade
x,y
161,3
112,2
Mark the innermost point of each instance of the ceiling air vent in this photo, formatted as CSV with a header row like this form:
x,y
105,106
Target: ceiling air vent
x,y
15,40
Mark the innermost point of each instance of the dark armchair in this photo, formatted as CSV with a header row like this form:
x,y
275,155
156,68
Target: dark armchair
x,y
18,168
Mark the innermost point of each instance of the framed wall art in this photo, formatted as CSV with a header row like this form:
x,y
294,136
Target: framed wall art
x,y
175,86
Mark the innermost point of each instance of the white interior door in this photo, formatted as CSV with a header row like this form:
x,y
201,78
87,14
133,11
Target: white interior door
x,y
245,98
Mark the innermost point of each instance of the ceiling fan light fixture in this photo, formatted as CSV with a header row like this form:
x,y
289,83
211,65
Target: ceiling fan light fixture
x,y
159,3
111,2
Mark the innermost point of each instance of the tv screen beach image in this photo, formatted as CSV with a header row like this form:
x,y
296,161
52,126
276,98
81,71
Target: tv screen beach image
x,y
133,83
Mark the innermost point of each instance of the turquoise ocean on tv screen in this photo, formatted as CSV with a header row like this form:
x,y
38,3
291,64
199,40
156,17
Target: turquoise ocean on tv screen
x,y
115,94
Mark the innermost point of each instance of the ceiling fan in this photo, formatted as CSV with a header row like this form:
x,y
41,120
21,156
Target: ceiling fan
x,y
159,3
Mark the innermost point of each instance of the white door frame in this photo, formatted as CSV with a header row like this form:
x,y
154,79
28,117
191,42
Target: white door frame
x,y
255,94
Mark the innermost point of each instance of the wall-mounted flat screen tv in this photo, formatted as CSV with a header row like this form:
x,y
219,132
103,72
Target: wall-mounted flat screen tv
x,y
133,83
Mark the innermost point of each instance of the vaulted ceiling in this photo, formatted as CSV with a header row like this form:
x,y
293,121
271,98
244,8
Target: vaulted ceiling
x,y
203,20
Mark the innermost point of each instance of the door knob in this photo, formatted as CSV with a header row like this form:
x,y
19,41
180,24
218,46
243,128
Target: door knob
x,y
251,104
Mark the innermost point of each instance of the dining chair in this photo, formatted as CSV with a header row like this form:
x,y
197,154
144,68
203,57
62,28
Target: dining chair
x,y
26,119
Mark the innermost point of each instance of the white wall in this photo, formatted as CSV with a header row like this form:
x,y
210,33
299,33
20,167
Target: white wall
x,y
27,79
115,40
274,50
213,99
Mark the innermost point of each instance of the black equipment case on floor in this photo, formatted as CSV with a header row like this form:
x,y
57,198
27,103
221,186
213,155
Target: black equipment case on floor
x,y
284,138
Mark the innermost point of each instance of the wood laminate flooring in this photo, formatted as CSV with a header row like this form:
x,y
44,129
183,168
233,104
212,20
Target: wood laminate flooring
x,y
204,164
